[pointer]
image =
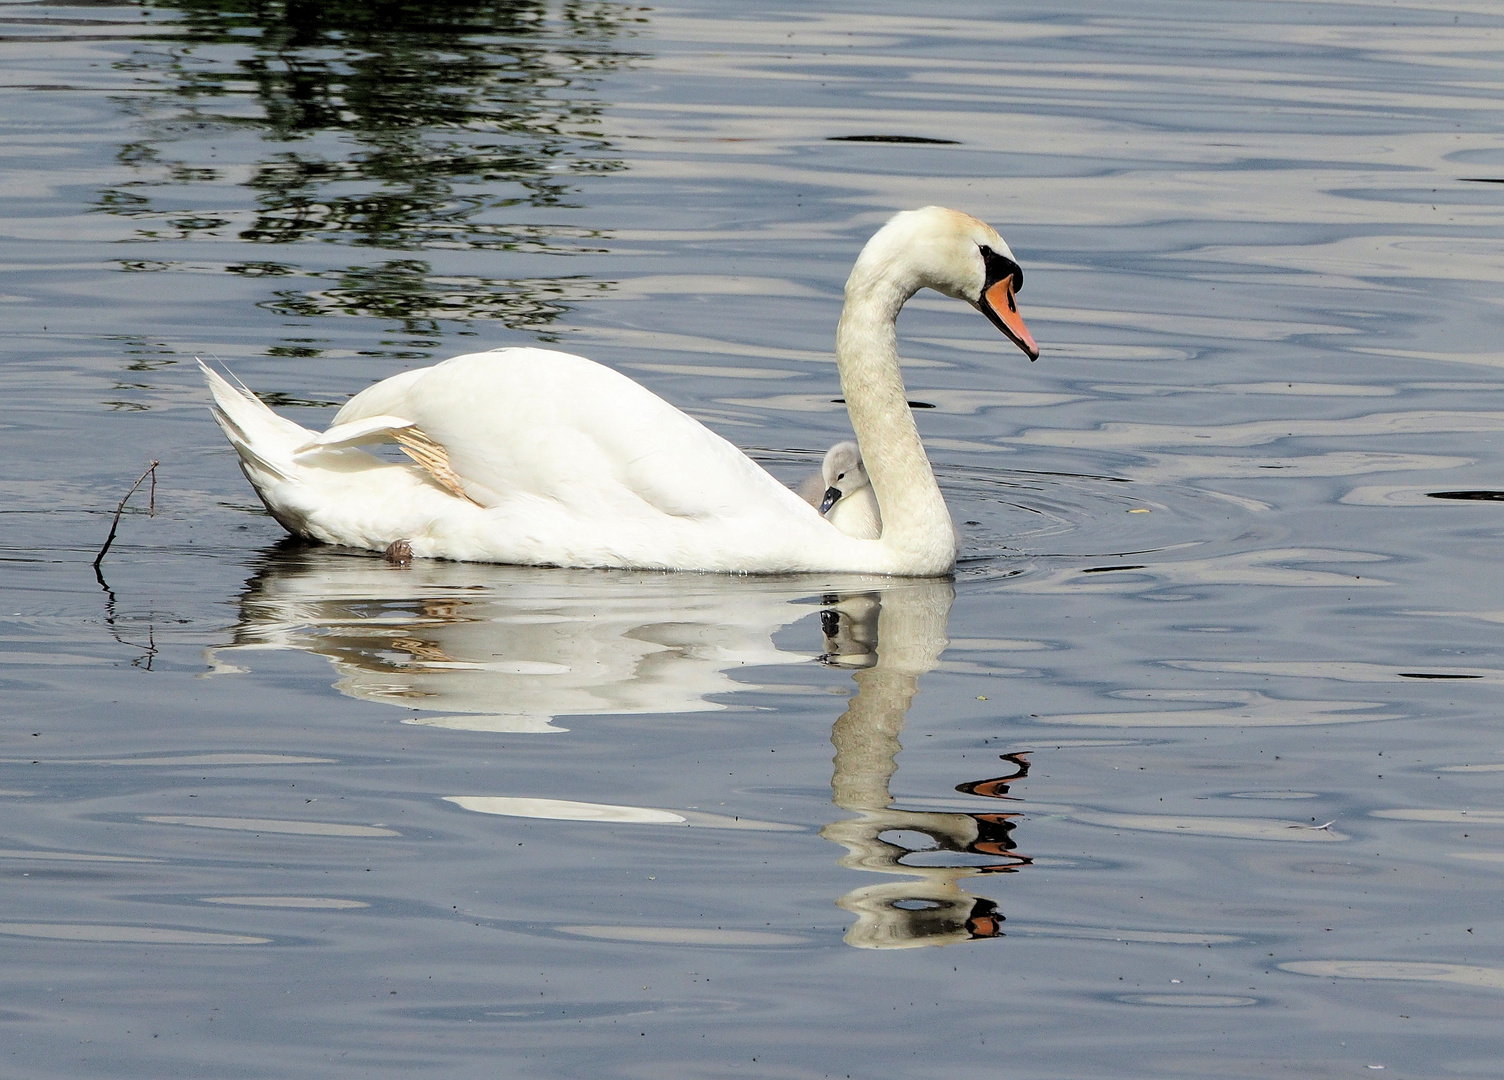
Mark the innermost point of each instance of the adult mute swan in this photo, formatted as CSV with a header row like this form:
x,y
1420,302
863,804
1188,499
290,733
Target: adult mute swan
x,y
842,492
543,458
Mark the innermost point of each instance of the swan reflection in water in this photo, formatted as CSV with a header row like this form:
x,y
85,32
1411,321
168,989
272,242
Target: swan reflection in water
x,y
486,648
893,637
508,649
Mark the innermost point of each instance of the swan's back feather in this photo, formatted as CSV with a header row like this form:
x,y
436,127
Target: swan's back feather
x,y
523,421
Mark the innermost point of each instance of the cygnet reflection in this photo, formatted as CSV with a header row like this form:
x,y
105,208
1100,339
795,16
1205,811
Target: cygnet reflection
x,y
491,648
893,637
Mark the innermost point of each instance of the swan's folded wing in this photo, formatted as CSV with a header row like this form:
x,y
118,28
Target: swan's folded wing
x,y
405,433
366,430
530,424
688,471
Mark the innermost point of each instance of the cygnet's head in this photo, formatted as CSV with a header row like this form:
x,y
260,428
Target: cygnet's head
x,y
955,254
843,473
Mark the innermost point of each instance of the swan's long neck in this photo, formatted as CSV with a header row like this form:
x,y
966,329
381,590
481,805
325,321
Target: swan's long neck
x,y
915,519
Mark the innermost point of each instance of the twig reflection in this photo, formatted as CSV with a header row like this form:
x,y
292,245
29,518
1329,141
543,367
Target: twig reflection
x,y
149,649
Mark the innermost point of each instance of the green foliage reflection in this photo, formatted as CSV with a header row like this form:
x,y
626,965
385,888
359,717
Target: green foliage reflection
x,y
402,125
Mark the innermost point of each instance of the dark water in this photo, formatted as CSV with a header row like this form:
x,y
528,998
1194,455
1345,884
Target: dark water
x,y
1195,768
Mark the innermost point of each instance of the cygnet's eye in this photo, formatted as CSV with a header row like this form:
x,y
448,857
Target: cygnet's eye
x,y
840,476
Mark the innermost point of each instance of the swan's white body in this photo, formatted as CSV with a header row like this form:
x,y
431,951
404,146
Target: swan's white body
x,y
842,492
537,457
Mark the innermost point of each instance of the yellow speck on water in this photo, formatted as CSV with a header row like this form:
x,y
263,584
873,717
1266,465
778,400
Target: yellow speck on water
x,y
1139,510
981,697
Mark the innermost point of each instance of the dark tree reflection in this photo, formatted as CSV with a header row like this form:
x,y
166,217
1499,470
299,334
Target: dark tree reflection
x,y
407,292
402,125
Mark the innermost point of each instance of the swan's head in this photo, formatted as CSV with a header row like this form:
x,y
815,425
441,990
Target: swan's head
x,y
843,473
958,255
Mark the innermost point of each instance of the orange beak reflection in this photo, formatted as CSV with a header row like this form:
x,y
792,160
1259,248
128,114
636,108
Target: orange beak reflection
x,y
997,304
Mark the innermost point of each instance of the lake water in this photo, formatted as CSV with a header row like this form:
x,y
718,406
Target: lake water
x,y
1195,769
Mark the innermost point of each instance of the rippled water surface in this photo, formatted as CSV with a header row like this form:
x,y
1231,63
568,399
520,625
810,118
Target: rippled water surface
x,y
1195,769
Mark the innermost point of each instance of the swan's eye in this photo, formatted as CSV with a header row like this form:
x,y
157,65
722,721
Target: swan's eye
x,y
840,476
999,267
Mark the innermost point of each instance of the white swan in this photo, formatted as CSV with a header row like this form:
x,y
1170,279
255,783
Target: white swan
x,y
842,492
543,458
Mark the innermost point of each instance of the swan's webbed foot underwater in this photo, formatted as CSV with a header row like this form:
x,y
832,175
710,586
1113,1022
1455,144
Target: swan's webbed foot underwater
x,y
399,553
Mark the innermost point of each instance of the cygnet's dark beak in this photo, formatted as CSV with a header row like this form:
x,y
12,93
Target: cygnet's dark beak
x,y
832,496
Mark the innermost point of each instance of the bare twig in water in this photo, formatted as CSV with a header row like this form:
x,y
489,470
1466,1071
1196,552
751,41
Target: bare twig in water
x,y
151,471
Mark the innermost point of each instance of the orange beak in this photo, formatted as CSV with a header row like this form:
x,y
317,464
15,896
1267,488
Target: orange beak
x,y
997,304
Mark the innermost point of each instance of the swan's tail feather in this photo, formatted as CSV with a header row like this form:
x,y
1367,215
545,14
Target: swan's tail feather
x,y
237,379
265,441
